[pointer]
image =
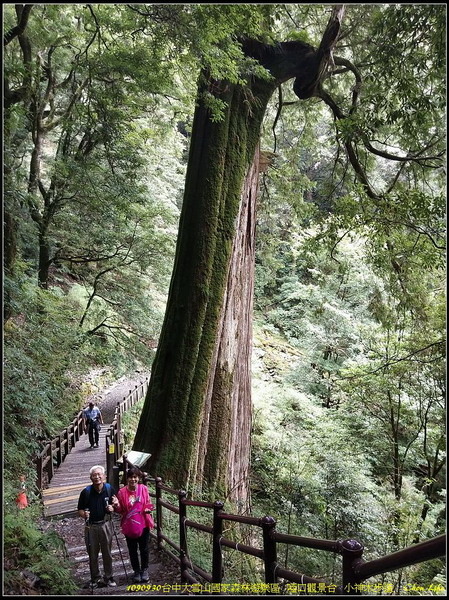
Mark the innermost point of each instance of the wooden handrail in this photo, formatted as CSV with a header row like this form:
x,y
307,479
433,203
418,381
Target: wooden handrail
x,y
329,545
426,550
55,451
114,441
354,569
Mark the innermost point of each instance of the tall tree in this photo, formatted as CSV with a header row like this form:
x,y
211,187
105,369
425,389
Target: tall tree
x,y
78,170
197,415
191,406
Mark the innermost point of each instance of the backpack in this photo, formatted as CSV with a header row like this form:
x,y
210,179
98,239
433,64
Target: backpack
x,y
108,489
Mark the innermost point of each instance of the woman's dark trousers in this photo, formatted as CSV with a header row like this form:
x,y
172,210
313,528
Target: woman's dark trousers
x,y
135,544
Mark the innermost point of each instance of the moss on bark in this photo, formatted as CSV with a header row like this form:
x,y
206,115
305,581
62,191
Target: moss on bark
x,y
219,158
197,399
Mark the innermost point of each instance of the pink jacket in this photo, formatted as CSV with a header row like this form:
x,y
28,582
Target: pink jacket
x,y
127,500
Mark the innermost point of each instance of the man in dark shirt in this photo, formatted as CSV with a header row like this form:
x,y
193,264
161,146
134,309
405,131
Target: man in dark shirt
x,y
95,505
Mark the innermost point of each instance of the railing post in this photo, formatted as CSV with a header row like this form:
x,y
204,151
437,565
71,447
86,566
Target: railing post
x,y
66,442
119,430
182,534
126,466
217,560
59,439
117,445
158,481
269,549
50,462
39,473
115,481
351,551
110,458
119,416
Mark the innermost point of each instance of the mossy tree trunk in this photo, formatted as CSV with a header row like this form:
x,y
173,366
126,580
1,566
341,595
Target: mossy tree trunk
x,y
224,444
200,377
197,415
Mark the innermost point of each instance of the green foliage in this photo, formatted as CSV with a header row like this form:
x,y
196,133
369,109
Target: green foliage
x,y
40,553
355,284
129,424
40,351
416,35
322,436
316,470
349,284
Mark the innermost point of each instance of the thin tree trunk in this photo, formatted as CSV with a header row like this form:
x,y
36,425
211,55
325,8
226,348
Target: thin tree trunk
x,y
44,258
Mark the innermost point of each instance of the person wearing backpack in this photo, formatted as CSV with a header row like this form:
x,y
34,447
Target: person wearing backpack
x,y
95,505
92,419
135,507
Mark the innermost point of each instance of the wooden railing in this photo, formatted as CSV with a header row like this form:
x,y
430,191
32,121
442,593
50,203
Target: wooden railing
x,y
114,435
354,569
55,451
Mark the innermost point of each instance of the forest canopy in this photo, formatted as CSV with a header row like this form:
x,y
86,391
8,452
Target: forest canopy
x,y
129,131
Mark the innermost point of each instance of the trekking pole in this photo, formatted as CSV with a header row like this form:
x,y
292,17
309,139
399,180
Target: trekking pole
x,y
116,539
119,549
91,584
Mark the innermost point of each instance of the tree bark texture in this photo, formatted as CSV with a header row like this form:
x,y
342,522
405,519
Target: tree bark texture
x,y
196,420
200,376
224,450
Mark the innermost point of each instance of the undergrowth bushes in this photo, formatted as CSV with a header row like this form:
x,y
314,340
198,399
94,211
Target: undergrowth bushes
x,y
46,360
32,553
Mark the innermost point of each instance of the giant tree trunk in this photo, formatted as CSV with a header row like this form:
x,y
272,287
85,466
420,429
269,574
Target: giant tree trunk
x,y
223,451
198,406
197,414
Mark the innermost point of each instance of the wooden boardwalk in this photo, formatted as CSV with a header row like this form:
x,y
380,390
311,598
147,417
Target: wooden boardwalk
x,y
60,499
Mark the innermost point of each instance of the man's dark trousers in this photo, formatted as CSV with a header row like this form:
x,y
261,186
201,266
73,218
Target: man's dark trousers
x,y
94,432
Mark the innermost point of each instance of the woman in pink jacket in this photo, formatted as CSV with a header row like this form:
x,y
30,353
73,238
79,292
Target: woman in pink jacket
x,y
135,508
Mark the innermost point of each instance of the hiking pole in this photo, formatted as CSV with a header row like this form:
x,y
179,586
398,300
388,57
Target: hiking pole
x,y
116,539
119,549
91,584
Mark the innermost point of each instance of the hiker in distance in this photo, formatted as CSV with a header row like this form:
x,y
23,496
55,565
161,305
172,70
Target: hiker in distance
x,y
92,419
135,507
96,505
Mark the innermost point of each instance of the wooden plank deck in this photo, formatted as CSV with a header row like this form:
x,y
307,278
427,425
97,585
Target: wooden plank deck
x,y
60,499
